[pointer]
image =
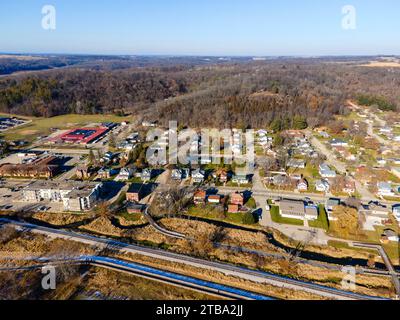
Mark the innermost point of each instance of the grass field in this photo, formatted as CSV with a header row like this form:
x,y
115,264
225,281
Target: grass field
x,y
322,222
276,217
43,126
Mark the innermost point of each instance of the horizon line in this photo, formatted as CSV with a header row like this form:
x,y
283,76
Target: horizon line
x,y
197,55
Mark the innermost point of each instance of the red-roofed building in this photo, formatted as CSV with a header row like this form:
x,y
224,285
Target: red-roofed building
x,y
237,198
81,135
233,208
200,197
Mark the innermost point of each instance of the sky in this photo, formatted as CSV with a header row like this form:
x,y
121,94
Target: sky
x,y
202,27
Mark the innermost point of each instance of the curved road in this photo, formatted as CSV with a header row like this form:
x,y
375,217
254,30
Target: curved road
x,y
247,274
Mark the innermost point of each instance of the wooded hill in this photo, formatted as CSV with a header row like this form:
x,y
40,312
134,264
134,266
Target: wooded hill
x,y
286,93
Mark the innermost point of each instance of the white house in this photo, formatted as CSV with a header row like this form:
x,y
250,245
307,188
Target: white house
x,y
302,185
385,130
322,186
326,172
297,164
125,174
385,189
198,176
338,143
391,235
146,175
240,179
396,212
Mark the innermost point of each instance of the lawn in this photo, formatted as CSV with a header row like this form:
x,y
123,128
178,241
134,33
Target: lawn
x,y
43,126
322,222
276,217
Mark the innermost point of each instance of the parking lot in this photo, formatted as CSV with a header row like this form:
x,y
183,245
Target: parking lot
x,y
11,199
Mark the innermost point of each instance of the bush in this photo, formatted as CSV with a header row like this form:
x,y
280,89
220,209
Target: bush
x,y
380,102
251,203
248,218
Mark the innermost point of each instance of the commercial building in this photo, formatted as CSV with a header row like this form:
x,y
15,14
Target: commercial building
x,y
40,168
297,209
76,196
81,135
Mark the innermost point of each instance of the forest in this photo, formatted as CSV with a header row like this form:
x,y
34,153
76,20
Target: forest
x,y
282,93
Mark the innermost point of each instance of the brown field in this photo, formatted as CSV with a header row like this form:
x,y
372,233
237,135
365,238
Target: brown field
x,y
21,58
29,132
382,64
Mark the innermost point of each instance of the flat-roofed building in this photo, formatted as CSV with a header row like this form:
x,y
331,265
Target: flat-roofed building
x,y
292,209
45,167
76,196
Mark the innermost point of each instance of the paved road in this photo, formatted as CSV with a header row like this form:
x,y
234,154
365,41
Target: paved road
x,y
147,272
243,273
388,263
341,167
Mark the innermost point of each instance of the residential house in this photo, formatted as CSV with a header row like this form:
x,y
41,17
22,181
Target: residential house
x,y
240,179
349,186
214,199
296,177
324,134
125,174
221,175
237,198
108,157
302,185
322,186
135,192
297,164
326,172
281,180
374,213
180,174
338,143
330,205
176,174
199,197
198,176
149,124
385,130
381,161
146,175
233,208
135,208
389,235
385,189
106,173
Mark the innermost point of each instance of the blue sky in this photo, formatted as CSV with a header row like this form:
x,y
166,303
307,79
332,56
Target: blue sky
x,y
201,27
